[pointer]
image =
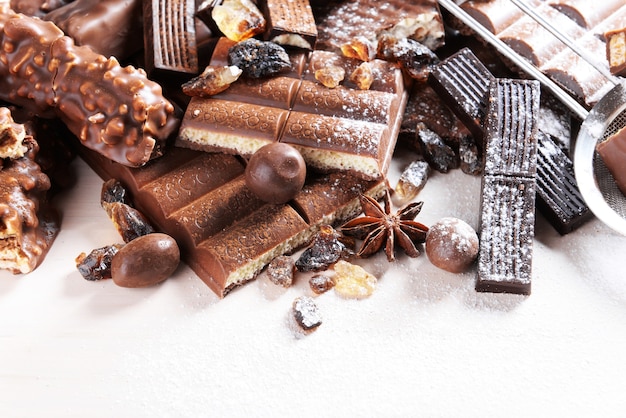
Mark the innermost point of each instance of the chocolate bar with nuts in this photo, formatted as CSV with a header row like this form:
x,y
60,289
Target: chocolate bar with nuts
x,y
29,224
114,110
507,214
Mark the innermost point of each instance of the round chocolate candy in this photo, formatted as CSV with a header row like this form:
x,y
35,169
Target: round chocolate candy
x,y
145,261
276,172
451,244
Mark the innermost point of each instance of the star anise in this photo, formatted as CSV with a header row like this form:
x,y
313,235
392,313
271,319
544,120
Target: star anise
x,y
379,227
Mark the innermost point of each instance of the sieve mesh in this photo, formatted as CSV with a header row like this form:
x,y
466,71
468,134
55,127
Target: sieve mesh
x,y
605,181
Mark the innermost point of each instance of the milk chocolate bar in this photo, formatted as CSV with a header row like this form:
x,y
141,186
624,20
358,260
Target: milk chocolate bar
x,y
559,199
338,129
586,13
494,15
290,22
110,28
114,110
616,50
507,215
170,36
226,234
338,23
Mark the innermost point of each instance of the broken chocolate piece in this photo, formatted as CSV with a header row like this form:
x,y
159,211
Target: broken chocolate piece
x,y
290,22
616,50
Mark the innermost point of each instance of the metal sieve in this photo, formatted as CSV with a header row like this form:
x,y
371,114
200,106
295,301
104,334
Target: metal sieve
x,y
608,115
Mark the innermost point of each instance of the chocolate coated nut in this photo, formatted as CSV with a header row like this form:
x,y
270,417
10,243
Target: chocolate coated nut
x,y
276,172
452,245
145,261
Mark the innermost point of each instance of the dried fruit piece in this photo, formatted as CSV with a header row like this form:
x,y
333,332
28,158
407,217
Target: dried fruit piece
x,y
306,313
360,48
128,221
238,20
363,76
97,264
258,59
414,58
326,249
330,76
281,270
353,281
113,191
469,156
321,283
438,154
411,181
213,80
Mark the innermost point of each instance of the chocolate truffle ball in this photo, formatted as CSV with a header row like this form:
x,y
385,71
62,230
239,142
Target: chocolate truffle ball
x,y
276,172
452,245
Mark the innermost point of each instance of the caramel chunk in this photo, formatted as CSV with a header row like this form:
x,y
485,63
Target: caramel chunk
x,y
238,20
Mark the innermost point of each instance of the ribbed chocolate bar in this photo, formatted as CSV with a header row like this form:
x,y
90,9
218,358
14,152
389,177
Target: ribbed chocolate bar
x,y
511,128
507,217
170,36
463,82
586,13
559,199
290,22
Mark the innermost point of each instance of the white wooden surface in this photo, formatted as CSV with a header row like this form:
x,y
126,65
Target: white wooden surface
x,y
425,344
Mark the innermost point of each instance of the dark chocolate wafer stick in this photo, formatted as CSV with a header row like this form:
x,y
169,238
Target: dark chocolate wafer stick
x,y
462,80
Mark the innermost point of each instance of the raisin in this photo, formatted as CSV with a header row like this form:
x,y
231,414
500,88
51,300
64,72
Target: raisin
x,y
113,191
411,181
325,250
321,283
129,222
439,155
213,80
306,313
258,59
97,264
415,59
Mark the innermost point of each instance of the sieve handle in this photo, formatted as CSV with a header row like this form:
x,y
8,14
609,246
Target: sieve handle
x,y
522,63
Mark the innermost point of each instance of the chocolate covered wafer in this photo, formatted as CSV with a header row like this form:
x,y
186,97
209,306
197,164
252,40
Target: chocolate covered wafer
x,y
170,36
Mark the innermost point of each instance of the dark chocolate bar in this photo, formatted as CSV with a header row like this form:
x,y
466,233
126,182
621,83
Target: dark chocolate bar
x,y
507,217
558,197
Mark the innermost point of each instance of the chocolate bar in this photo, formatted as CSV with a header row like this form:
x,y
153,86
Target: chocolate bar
x,y
110,28
170,36
494,15
337,129
586,13
290,22
611,151
114,110
340,22
226,234
463,81
507,215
